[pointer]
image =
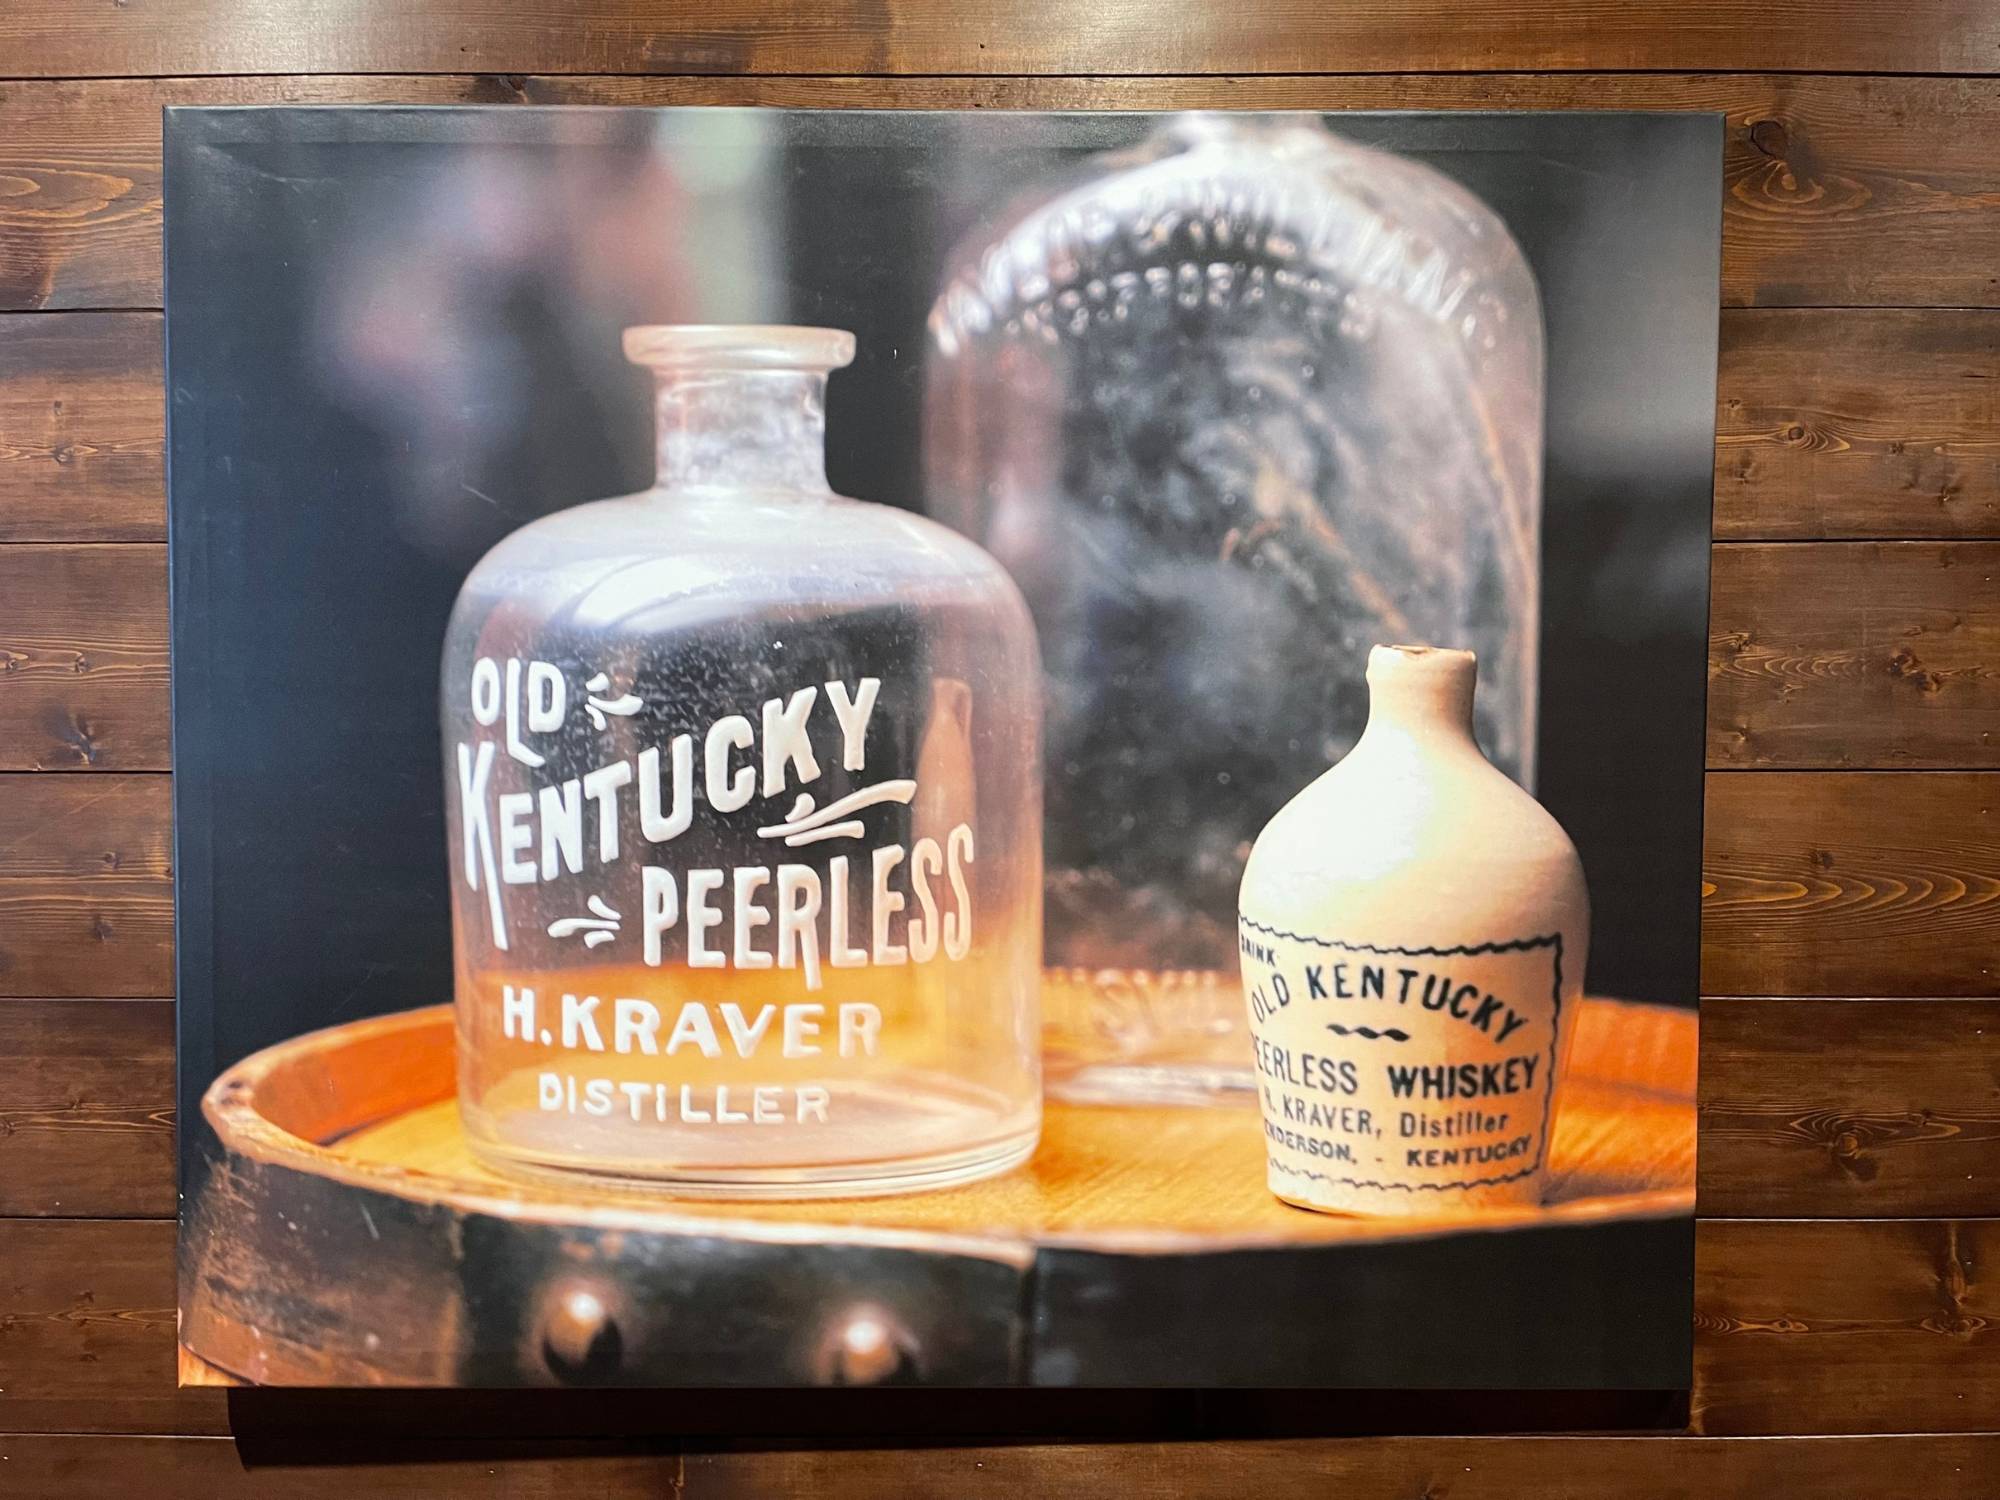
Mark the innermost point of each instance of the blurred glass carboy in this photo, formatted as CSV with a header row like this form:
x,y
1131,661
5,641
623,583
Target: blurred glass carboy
x,y
1232,406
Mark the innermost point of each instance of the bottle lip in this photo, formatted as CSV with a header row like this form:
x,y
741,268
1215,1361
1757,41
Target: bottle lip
x,y
738,346
1439,662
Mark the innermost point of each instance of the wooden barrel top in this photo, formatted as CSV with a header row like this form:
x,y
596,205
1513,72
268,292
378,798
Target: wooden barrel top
x,y
334,1133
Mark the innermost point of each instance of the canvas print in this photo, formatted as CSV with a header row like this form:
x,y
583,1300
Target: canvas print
x,y
861,748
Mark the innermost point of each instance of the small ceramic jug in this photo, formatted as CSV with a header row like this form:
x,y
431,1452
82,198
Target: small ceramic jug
x,y
1413,928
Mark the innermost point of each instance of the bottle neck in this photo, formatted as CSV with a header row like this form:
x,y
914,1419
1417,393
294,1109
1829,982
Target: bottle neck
x,y
1421,695
740,429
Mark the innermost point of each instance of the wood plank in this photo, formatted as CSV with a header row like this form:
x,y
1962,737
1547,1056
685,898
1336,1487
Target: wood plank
x,y
1852,883
41,38
86,896
1592,1468
1838,190
214,1468
87,1339
1848,654
1858,422
1849,1108
87,1108
83,658
1462,1468
1890,1325
82,430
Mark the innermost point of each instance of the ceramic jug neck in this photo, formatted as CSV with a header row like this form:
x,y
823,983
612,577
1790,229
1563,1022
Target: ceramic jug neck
x,y
1423,693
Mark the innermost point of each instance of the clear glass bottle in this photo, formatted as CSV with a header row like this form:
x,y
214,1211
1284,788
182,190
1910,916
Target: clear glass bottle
x,y
1231,406
743,784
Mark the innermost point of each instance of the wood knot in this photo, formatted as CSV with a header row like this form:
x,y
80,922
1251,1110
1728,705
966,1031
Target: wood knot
x,y
1771,138
1954,1325
1851,1156
1905,664
73,732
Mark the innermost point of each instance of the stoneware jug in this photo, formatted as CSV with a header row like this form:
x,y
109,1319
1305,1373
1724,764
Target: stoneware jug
x,y
1413,928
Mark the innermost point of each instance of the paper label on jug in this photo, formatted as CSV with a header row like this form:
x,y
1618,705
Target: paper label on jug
x,y
1403,1070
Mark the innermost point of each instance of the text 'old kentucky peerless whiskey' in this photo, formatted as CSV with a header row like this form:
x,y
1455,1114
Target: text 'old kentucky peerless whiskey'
x,y
744,792
1413,929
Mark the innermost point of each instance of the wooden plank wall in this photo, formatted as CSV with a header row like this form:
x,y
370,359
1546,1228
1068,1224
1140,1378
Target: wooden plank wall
x,y
1850,1147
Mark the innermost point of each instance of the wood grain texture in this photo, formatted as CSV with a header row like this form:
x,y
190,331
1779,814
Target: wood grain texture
x,y
1849,1108
1851,883
1850,654
82,439
86,895
1838,190
83,658
198,1468
86,1108
43,38
1463,1468
1858,423
87,1330
1846,1326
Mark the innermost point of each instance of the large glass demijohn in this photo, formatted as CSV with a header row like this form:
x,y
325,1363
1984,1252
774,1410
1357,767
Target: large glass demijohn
x,y
1232,406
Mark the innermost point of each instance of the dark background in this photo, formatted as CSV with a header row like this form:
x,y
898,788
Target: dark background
x,y
392,338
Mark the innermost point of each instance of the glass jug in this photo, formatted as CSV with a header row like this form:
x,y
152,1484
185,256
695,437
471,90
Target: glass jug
x,y
1231,405
743,785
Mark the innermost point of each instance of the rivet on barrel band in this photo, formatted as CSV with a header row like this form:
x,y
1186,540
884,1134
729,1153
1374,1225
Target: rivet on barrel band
x,y
580,1338
867,1345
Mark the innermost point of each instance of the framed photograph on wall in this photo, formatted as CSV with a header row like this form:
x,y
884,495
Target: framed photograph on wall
x,y
1188,877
